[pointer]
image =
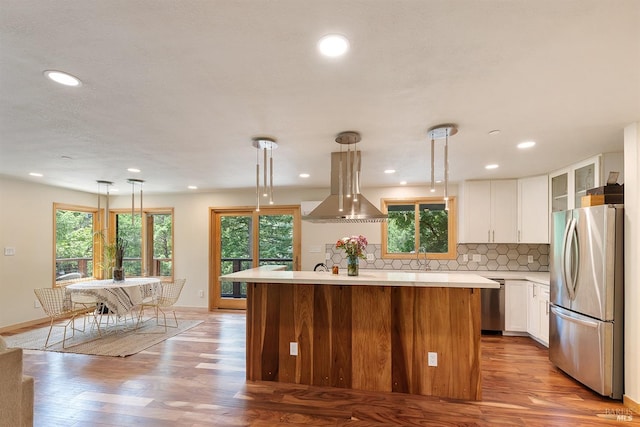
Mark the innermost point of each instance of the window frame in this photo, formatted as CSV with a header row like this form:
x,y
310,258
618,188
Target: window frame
x,y
97,246
144,235
417,201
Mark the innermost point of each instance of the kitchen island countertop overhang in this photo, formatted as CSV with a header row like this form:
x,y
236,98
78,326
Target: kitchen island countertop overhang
x,y
277,274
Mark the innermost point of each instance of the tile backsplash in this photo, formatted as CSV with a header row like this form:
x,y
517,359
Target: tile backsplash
x,y
492,256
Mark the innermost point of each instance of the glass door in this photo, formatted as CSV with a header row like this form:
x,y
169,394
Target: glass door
x,y
243,239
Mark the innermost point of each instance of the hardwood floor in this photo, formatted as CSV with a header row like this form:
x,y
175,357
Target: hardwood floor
x,y
198,379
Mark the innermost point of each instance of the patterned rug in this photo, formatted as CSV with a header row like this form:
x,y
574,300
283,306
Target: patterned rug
x,y
116,340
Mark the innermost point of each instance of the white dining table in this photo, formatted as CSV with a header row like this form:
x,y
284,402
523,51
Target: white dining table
x,y
118,297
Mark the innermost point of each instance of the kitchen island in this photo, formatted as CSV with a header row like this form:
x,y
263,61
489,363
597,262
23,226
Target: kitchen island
x,y
374,331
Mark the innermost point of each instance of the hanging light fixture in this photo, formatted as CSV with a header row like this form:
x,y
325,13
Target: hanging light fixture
x,y
266,145
133,182
440,132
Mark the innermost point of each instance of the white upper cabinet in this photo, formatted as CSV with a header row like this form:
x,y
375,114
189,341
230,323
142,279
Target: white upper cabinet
x,y
490,211
568,185
533,209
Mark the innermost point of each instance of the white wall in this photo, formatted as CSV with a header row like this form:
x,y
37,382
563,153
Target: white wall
x,y
26,223
631,256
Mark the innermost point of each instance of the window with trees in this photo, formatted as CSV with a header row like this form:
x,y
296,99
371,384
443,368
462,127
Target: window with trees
x,y
425,225
75,242
148,241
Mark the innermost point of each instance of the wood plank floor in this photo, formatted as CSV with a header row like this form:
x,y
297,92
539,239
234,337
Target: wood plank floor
x,y
198,379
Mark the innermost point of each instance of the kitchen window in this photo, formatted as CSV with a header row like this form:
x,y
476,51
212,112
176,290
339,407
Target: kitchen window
x,y
419,226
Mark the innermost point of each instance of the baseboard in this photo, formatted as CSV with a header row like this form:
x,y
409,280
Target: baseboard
x,y
24,324
631,404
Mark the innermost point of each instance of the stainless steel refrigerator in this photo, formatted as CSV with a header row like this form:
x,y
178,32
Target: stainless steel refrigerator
x,y
587,285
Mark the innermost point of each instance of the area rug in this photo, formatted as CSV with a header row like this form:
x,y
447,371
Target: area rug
x,y
120,340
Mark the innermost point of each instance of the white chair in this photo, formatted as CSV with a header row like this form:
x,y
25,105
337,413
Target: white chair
x,y
169,294
57,304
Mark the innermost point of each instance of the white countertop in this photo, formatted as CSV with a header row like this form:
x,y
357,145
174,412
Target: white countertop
x,y
542,277
436,279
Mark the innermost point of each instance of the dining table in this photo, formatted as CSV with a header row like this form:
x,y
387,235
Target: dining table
x,y
118,297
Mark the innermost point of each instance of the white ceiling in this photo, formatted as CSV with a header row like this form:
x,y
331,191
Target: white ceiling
x,y
179,88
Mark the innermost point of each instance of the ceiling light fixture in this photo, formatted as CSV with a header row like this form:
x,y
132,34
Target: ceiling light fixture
x,y
134,170
107,184
36,174
390,171
192,187
133,182
526,144
441,132
304,175
267,145
403,182
63,78
491,166
333,45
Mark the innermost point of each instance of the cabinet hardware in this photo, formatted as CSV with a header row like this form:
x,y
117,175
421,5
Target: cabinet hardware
x,y
489,236
494,236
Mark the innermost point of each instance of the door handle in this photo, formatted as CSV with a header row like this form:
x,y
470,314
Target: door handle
x,y
588,323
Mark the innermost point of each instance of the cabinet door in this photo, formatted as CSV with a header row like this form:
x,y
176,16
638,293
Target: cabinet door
x,y
504,215
515,316
477,211
533,210
543,310
533,311
559,183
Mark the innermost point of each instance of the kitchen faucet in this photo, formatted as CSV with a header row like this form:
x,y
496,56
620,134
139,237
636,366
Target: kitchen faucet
x,y
426,260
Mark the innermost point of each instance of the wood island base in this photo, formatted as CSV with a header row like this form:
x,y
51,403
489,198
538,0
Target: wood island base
x,y
373,338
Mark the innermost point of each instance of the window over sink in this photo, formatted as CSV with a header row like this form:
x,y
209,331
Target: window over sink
x,y
419,226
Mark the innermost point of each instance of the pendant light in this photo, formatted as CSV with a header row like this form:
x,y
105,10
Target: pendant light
x,y
440,132
133,183
266,145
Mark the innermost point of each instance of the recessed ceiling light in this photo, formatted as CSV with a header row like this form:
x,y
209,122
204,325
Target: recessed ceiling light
x,y
493,166
134,170
192,187
304,175
494,132
62,78
403,182
526,144
36,174
390,171
333,45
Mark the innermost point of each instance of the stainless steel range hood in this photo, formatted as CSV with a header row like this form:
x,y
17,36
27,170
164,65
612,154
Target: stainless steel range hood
x,y
345,203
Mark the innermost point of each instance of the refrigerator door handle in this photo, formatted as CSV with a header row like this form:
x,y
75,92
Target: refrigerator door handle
x,y
567,265
588,323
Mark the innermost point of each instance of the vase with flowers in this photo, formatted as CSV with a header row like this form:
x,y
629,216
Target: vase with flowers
x,y
354,247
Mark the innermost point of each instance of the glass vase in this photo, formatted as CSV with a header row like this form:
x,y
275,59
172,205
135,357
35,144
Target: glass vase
x,y
118,274
352,265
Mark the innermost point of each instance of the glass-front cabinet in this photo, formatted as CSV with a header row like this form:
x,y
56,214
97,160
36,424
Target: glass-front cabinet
x,y
569,185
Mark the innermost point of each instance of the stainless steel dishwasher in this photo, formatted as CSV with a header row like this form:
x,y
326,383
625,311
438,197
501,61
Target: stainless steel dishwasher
x,y
493,308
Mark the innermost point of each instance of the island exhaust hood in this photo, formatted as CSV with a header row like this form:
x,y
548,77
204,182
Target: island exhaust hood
x,y
345,203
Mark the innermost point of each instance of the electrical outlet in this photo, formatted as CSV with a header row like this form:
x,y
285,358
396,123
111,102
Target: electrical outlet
x,y
36,304
201,293
370,257
530,259
9,251
432,358
477,257
465,257
293,348
327,256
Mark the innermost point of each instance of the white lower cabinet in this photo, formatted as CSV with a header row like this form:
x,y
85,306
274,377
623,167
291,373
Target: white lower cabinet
x,y
515,315
538,312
